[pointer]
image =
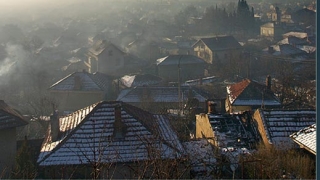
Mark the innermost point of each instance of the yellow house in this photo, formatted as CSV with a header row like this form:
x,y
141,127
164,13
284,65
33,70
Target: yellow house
x,y
217,49
271,30
276,125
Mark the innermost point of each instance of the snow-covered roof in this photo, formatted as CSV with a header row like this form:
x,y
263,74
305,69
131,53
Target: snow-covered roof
x,y
296,34
248,92
158,94
180,59
280,124
86,82
90,135
306,138
223,42
204,80
140,80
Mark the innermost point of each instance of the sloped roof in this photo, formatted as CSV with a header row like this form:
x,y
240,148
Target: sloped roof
x,y
221,43
10,118
100,46
293,41
158,94
268,25
89,82
280,124
299,35
182,59
140,80
248,92
90,130
306,138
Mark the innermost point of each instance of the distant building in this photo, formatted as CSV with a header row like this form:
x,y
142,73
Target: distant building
x,y
81,89
271,30
185,67
161,98
218,49
105,57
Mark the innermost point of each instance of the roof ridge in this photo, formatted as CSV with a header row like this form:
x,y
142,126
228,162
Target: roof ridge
x,y
58,82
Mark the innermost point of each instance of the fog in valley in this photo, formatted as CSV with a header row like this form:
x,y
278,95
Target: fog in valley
x,y
40,39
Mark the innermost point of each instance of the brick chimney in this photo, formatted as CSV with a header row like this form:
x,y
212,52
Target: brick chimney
x,y
212,107
54,126
268,82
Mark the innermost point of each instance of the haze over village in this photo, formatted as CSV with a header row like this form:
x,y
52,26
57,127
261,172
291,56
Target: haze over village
x,y
158,89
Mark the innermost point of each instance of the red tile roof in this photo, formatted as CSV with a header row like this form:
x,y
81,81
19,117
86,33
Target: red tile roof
x,y
249,92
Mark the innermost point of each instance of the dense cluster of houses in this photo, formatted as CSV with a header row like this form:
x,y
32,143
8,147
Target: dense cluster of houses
x,y
110,121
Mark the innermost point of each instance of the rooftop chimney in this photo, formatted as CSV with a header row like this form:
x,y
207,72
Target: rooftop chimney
x,y
55,126
212,107
268,82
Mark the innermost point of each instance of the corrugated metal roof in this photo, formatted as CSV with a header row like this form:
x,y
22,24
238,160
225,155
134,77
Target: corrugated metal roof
x,y
306,138
280,124
10,118
180,59
88,136
86,82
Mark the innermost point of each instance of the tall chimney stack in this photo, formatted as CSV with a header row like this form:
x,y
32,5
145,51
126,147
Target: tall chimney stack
x,y
55,126
268,82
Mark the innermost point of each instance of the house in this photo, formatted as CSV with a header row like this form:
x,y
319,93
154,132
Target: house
x,y
131,81
185,67
10,119
226,130
296,53
161,98
276,125
230,135
248,95
271,30
105,57
306,138
218,49
111,139
80,89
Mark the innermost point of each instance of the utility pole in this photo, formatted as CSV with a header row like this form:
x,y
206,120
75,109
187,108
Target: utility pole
x,y
179,85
